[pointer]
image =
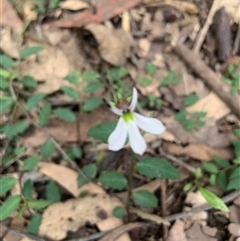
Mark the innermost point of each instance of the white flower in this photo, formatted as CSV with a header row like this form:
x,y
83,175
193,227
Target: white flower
x,y
128,124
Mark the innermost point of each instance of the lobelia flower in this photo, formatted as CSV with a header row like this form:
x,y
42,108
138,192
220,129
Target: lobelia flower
x,y
128,124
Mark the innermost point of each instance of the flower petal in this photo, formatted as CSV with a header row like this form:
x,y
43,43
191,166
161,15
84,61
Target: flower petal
x,y
134,100
136,140
115,110
151,125
118,137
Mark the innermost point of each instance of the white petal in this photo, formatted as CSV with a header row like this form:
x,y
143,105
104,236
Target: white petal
x,y
115,110
136,140
134,100
118,137
151,125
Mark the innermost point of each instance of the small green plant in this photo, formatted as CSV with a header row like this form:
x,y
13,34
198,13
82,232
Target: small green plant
x,y
233,80
170,79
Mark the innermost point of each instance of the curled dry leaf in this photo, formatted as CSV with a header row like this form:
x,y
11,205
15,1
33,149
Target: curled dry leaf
x,y
74,5
60,218
114,44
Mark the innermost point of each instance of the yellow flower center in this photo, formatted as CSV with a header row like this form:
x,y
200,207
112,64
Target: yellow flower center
x,y
127,116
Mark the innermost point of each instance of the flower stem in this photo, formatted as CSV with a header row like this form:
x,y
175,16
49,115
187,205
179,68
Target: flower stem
x,y
130,176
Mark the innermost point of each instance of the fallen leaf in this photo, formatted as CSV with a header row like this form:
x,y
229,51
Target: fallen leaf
x,y
126,21
234,214
74,5
234,229
211,231
195,199
60,218
114,44
176,232
68,179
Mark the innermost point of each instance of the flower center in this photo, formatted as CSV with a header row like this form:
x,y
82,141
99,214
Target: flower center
x,y
127,116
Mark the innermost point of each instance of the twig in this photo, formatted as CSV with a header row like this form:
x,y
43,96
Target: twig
x,y
226,199
203,33
209,77
91,237
237,40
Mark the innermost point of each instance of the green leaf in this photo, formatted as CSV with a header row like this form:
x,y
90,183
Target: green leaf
x,y
6,184
28,51
187,187
236,145
190,99
199,114
102,131
92,87
181,115
34,100
6,62
47,149
119,212
92,104
154,167
73,77
145,199
114,180
29,82
235,173
233,184
237,132
53,4
75,152
30,163
64,114
118,73
236,160
222,180
19,150
220,161
198,173
44,114
210,167
27,189
34,224
5,104
4,84
212,179
70,92
91,75
52,192
212,199
90,171
151,69
16,129
143,81
38,203
4,73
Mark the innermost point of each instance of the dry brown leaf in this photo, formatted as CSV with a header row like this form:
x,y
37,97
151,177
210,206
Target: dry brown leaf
x,y
60,218
198,151
29,13
234,214
234,229
176,232
144,47
126,22
114,45
68,179
195,199
74,5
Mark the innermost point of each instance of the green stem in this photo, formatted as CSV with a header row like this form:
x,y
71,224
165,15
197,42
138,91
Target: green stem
x,y
130,176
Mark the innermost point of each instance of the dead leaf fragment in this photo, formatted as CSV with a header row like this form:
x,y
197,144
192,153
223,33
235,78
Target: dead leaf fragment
x,y
234,229
74,5
176,232
114,45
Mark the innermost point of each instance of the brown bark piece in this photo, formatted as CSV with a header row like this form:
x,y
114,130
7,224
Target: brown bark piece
x,y
105,9
209,77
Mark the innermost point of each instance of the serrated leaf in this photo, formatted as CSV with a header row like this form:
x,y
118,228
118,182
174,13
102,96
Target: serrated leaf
x,y
235,173
154,167
28,51
145,199
29,82
52,192
16,129
9,206
102,131
236,145
114,180
210,167
91,75
92,87
73,77
30,163
34,224
6,62
44,114
119,212
92,104
190,99
90,171
212,199
151,69
70,92
233,184
143,81
64,114
47,149
220,161
38,203
34,100
6,184
27,189
5,104
222,180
